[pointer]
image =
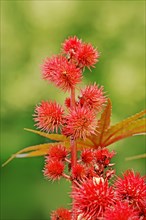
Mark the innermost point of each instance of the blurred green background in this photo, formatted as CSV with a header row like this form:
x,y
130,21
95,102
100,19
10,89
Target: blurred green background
x,y
33,30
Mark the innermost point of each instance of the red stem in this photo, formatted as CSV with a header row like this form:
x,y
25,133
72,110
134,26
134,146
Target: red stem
x,y
73,152
73,97
72,140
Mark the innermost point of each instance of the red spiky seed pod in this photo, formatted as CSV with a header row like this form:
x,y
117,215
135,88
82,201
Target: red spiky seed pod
x,y
132,187
71,46
63,74
92,197
80,123
87,156
121,211
78,172
93,96
57,152
103,156
48,116
53,169
68,102
61,214
87,55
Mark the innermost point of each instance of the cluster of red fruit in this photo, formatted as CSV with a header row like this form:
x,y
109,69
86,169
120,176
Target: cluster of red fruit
x,y
65,71
93,197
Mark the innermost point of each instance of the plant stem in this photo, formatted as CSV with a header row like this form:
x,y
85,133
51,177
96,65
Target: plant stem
x,y
73,152
72,140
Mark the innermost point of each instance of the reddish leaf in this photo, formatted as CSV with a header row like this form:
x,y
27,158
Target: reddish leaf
x,y
134,128
106,135
128,127
62,138
54,137
35,153
103,124
31,151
